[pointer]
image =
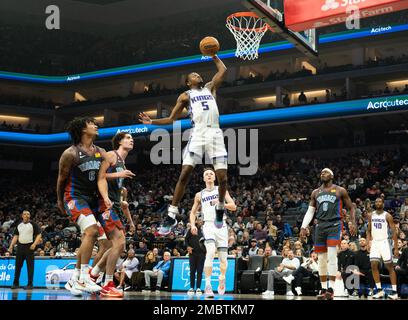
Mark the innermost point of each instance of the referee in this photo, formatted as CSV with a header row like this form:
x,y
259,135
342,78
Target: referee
x,y
27,236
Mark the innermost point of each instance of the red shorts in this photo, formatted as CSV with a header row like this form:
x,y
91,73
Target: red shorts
x,y
110,219
75,206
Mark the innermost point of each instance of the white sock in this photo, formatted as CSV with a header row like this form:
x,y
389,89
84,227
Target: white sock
x,y
95,271
394,287
108,278
324,285
220,205
75,275
378,285
173,210
221,277
208,281
84,272
331,283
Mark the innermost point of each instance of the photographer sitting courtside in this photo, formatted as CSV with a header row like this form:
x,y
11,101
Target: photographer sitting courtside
x,y
27,236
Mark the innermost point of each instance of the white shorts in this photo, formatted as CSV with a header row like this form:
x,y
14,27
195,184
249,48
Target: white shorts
x,y
381,249
85,221
206,141
218,235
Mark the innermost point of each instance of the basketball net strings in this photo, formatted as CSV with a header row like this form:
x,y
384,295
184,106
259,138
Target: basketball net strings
x,y
248,32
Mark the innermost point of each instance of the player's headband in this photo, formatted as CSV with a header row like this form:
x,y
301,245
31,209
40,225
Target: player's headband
x,y
329,171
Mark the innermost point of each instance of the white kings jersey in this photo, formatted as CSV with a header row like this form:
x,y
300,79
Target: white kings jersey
x,y
203,109
379,226
209,199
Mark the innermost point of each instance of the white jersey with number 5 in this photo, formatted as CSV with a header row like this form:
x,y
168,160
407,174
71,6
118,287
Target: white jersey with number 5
x,y
379,226
203,109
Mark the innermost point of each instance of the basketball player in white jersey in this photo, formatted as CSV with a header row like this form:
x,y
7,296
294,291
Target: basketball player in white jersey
x,y
216,239
380,222
206,137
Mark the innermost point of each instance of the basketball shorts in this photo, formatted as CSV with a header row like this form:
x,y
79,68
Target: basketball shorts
x,y
101,232
381,249
81,210
110,218
327,234
218,235
206,142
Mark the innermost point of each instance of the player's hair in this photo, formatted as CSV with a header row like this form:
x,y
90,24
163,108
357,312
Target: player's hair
x,y
208,168
75,127
117,138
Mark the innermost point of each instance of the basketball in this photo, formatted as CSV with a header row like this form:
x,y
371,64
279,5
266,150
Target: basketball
x,y
209,46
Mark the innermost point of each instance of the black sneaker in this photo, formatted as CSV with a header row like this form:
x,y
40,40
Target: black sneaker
x,y
329,294
146,290
219,218
15,286
322,295
167,225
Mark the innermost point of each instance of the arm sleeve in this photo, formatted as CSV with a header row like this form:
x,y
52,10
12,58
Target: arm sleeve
x,y
16,233
36,229
308,216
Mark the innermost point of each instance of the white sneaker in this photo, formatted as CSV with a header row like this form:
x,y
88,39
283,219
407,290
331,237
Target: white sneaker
x,y
74,291
69,284
298,291
288,278
393,296
100,278
88,286
289,293
268,293
190,292
379,295
198,292
209,292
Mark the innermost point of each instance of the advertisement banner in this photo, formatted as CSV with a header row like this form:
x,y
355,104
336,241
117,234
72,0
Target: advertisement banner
x,y
181,275
309,14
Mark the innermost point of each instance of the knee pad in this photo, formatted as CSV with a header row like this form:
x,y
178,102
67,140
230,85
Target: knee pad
x,y
322,263
332,261
209,257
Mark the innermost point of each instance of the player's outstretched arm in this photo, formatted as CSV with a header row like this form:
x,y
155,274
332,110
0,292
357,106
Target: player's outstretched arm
x,y
394,235
182,102
110,159
66,161
219,76
229,202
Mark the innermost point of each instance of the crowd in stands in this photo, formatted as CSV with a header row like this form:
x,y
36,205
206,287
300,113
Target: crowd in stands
x,y
29,128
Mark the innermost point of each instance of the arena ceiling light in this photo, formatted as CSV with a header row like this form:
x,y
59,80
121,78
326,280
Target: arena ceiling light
x,y
398,83
309,66
266,99
79,97
314,93
13,119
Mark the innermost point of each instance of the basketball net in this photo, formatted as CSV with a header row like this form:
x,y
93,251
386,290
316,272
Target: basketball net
x,y
248,30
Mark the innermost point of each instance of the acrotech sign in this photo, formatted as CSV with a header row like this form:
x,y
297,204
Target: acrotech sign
x,y
307,14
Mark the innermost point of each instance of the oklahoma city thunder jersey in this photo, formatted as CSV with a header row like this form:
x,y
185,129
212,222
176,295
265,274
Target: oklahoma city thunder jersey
x,y
115,185
82,180
203,109
208,201
379,226
329,205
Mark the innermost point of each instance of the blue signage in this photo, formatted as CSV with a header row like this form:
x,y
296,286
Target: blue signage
x,y
181,275
253,118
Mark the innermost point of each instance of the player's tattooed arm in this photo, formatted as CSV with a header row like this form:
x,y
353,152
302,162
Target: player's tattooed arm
x,y
394,235
349,205
230,203
182,102
65,164
218,77
368,234
194,211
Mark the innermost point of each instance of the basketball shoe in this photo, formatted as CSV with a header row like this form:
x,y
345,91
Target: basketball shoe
x,y
110,291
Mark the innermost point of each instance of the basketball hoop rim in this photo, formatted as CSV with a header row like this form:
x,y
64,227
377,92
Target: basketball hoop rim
x,y
247,14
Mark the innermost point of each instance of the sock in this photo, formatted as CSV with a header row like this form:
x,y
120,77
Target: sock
x,y
378,285
75,275
173,210
84,272
208,281
108,278
221,277
95,271
220,205
394,287
324,285
331,283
